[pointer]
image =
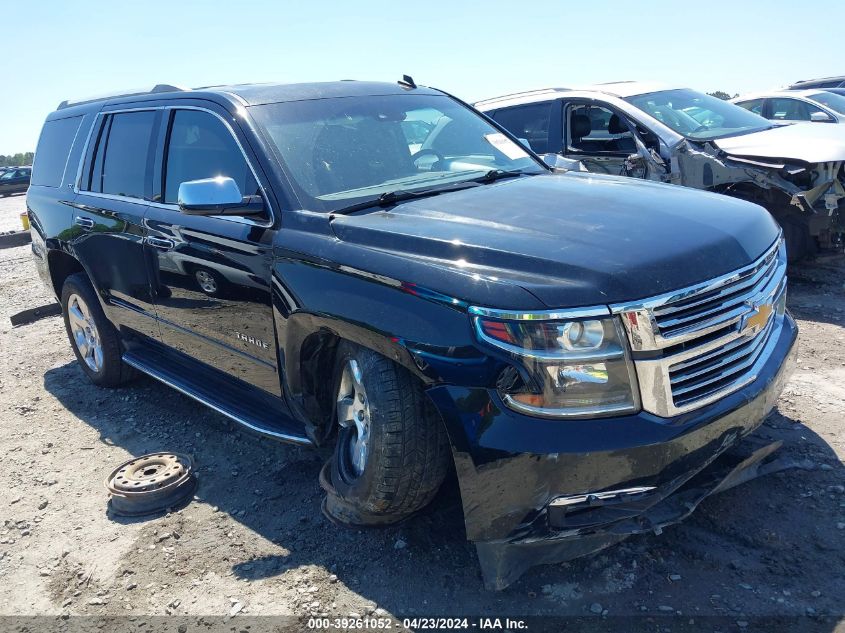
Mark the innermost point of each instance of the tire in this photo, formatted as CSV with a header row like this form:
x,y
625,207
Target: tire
x,y
407,451
799,243
94,339
208,281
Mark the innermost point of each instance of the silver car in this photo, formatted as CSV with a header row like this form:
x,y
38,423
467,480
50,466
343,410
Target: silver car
x,y
676,135
793,106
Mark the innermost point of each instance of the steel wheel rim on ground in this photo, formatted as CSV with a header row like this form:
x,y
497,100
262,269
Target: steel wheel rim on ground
x,y
151,484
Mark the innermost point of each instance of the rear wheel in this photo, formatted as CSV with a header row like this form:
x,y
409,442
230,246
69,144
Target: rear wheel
x,y
94,339
391,453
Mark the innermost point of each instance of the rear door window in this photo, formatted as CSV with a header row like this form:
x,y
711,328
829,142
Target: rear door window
x,y
529,122
52,151
120,160
784,109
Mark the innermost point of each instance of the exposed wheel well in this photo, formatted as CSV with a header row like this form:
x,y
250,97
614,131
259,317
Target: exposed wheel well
x,y
798,228
61,266
316,377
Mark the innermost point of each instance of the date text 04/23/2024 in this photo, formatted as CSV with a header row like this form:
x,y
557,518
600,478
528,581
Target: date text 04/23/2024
x,y
418,624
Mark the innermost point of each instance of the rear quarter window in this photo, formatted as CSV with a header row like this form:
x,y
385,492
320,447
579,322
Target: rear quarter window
x,y
52,151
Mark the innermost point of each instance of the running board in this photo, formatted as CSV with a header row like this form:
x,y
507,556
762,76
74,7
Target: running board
x,y
259,417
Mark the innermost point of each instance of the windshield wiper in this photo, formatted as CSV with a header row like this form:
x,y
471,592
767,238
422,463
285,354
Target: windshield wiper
x,y
498,174
391,197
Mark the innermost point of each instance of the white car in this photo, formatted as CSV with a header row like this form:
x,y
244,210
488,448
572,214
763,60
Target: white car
x,y
677,135
792,106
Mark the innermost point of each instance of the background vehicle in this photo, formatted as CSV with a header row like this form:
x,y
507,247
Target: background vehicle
x,y
413,298
14,180
677,135
825,82
816,106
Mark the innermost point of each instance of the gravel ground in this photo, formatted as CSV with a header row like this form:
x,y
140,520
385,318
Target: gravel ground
x,y
254,542
10,209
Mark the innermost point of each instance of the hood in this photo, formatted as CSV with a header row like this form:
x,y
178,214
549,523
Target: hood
x,y
571,240
808,142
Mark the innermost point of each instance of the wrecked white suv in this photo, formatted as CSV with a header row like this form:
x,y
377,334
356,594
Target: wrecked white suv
x,y
685,137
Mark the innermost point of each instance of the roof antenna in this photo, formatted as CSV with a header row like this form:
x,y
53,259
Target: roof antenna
x,y
407,82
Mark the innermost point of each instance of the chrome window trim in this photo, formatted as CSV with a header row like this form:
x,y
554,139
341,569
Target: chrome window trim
x,y
112,196
541,315
238,219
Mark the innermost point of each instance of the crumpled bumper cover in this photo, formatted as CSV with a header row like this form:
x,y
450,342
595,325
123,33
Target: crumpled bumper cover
x,y
502,563
513,470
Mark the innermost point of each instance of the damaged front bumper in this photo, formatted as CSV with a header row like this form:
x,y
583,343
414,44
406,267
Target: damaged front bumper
x,y
544,491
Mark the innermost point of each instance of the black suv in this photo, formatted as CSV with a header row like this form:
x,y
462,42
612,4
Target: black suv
x,y
380,268
14,180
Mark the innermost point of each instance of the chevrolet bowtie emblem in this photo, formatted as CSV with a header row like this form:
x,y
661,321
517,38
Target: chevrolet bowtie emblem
x,y
755,320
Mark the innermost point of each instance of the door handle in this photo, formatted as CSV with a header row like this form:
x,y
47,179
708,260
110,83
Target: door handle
x,y
161,243
85,223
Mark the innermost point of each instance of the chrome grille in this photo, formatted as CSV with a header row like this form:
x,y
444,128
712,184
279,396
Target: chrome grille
x,y
716,307
712,372
696,345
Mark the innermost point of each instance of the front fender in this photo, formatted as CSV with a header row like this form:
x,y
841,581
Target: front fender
x,y
428,334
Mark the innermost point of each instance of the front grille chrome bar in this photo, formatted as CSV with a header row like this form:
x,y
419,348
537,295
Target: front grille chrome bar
x,y
696,345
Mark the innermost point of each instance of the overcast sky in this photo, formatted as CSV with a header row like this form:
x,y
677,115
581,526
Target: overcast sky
x,y
58,49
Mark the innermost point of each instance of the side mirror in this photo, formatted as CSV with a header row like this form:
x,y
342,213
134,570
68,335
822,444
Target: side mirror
x,y
820,117
524,141
216,196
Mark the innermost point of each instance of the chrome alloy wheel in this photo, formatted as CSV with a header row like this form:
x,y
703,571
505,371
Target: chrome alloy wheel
x,y
84,331
353,416
206,281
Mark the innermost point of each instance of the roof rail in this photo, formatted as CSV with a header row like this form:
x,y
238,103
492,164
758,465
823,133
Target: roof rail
x,y
524,93
123,93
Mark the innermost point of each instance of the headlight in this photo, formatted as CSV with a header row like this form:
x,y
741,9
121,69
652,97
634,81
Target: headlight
x,y
566,368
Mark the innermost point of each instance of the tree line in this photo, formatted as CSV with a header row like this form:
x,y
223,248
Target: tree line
x,y
21,158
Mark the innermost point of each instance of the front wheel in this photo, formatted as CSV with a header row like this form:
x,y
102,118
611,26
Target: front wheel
x,y
208,281
392,453
800,244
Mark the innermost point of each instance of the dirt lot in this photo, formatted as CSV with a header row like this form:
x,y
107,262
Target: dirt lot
x,y
10,210
254,542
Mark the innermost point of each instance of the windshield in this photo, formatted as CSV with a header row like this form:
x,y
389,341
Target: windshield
x,y
833,101
342,151
698,116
